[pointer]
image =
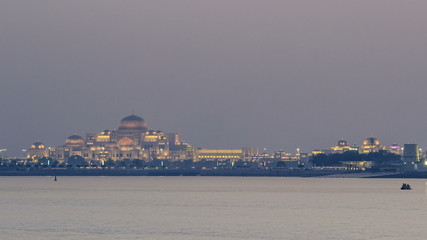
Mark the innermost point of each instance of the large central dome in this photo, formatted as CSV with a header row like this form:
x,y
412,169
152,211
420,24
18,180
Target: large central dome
x,y
75,141
133,122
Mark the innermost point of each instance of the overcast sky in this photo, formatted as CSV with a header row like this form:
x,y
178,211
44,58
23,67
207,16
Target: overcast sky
x,y
222,73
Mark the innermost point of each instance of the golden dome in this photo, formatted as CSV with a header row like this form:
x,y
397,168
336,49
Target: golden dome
x,y
133,122
371,142
75,141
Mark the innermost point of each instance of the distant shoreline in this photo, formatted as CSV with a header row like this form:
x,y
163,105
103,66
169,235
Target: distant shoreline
x,y
162,172
226,172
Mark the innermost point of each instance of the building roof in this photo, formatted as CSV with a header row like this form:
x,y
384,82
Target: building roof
x,y
133,122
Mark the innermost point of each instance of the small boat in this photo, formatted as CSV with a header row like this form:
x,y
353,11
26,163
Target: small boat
x,y
406,187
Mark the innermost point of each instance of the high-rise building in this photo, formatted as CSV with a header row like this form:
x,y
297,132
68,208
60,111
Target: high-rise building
x,y
411,154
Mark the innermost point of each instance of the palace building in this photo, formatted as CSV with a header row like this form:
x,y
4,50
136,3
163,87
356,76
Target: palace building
x,y
132,140
371,144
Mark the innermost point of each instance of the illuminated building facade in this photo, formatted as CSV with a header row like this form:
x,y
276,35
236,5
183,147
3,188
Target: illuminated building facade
x,y
342,146
37,150
357,165
396,149
283,156
226,154
132,140
317,152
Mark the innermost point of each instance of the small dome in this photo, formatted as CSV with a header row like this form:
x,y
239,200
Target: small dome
x,y
342,143
371,142
75,141
133,122
74,137
38,145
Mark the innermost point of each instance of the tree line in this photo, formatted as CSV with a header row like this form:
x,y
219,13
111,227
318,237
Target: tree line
x,y
378,158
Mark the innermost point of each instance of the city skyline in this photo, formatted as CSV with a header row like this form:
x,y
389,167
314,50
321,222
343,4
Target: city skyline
x,y
321,146
277,75
213,120
117,135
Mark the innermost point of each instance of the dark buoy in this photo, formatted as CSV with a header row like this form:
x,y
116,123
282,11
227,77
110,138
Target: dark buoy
x,y
55,179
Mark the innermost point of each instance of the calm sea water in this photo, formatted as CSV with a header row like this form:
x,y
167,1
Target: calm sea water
x,y
214,208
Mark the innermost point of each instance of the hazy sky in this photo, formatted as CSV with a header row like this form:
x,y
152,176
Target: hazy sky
x,y
222,73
